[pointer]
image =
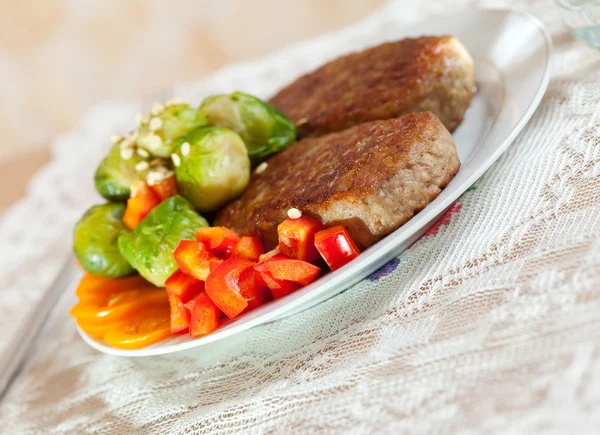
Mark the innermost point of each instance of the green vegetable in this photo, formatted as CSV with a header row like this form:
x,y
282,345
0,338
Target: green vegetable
x,y
262,127
114,175
95,241
173,122
149,248
214,167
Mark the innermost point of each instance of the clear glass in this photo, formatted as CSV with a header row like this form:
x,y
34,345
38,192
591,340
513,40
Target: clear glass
x,y
583,18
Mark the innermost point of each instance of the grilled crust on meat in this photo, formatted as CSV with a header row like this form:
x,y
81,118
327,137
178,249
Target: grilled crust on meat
x,y
386,81
371,179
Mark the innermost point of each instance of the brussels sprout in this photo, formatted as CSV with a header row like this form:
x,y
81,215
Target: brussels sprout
x,y
214,167
114,175
95,241
262,127
158,132
149,248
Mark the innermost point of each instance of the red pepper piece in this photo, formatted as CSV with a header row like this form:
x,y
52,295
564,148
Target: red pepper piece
x,y
143,199
336,246
193,259
190,304
184,286
166,188
297,238
249,248
219,240
223,286
214,262
284,268
204,315
278,287
180,315
253,289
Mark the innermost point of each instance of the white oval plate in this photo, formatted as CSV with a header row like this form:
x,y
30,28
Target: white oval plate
x,y
512,64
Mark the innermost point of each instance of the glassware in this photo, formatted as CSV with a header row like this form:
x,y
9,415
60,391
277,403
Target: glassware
x,y
583,18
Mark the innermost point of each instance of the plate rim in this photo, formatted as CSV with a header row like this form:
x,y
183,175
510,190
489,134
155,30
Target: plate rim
x,y
375,256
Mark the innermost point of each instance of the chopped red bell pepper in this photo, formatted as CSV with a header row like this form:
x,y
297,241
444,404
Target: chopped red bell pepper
x,y
190,304
284,268
219,240
253,289
166,188
278,287
264,257
184,286
143,199
223,286
214,262
180,315
249,247
336,246
204,315
297,238
193,259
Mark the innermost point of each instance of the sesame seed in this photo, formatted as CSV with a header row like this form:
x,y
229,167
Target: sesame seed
x,y
294,213
185,149
154,177
155,124
261,168
153,141
174,101
176,160
143,153
157,109
126,143
126,153
115,139
142,166
302,121
133,136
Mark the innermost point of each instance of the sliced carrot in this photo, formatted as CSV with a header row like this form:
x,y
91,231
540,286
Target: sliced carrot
x,y
145,328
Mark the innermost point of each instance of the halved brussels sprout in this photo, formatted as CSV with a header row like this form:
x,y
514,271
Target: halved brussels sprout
x,y
263,128
114,175
95,241
214,167
149,248
160,130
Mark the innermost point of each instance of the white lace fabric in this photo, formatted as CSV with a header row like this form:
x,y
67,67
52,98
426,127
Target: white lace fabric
x,y
488,324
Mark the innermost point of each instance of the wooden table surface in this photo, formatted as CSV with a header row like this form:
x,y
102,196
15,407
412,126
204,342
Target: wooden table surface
x,y
86,52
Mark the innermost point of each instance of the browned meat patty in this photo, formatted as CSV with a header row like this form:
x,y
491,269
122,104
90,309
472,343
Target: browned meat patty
x,y
412,75
371,179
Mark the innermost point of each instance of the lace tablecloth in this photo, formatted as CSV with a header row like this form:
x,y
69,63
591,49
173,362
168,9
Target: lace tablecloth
x,y
490,323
